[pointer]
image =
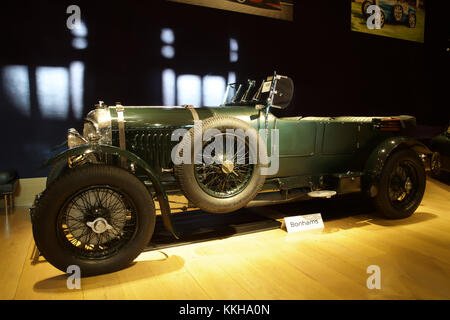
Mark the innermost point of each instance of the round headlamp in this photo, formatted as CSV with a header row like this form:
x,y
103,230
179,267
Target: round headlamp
x,y
98,122
74,139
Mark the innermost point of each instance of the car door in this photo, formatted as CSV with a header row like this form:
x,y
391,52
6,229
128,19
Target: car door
x,y
297,143
340,138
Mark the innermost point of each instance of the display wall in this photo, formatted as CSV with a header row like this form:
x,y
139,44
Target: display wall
x,y
140,53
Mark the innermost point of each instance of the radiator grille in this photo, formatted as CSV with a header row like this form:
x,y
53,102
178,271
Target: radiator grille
x,y
154,146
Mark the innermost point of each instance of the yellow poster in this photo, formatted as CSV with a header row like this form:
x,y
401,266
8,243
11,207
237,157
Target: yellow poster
x,y
402,19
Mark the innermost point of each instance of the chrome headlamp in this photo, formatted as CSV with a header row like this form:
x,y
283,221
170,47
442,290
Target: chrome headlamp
x,y
97,128
98,123
74,139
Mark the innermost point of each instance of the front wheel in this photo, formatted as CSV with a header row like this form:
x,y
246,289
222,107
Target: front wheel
x,y
382,19
58,169
97,217
402,185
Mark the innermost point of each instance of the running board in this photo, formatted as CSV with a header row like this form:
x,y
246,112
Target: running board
x,y
322,194
276,197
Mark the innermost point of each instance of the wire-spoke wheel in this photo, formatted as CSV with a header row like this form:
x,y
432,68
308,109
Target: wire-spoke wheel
x,y
97,217
382,19
225,176
436,164
97,221
221,180
402,185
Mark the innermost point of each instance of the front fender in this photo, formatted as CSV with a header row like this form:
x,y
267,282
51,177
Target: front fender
x,y
377,159
107,149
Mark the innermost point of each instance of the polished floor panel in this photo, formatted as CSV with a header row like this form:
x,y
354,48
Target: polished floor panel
x,y
413,255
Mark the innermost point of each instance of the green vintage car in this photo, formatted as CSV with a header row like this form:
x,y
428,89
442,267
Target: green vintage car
x,y
98,209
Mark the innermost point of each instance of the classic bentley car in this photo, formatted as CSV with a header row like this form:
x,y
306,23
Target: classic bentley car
x,y
98,209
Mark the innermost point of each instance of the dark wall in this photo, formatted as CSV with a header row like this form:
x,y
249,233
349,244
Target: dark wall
x,y
336,71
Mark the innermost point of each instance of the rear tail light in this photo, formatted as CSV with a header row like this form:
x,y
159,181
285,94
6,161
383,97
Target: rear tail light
x,y
387,124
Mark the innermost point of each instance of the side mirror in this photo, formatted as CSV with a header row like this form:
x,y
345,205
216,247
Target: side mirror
x,y
283,93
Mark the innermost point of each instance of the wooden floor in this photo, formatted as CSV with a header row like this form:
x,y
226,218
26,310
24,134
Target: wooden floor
x,y
413,254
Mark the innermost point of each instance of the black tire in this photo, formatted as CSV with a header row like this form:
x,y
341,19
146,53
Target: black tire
x,y
51,220
197,191
382,19
393,185
436,164
397,13
412,20
58,169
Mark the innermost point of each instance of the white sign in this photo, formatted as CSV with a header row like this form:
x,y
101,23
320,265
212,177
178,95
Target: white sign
x,y
266,86
305,222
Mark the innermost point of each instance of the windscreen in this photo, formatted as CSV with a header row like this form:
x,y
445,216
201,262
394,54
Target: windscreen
x,y
248,93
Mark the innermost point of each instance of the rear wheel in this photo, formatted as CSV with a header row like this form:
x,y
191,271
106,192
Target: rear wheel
x,y
412,20
97,217
402,185
436,164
